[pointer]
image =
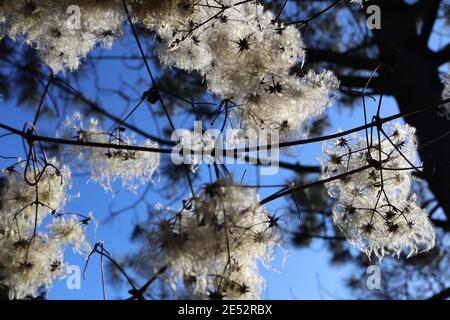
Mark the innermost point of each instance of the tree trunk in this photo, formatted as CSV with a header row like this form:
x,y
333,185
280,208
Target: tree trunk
x,y
414,80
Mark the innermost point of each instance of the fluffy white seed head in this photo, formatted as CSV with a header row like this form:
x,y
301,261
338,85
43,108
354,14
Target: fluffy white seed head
x,y
214,244
69,231
26,267
243,53
106,165
374,207
247,57
62,37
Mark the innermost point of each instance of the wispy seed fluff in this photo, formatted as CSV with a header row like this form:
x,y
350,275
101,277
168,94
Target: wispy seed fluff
x,y
214,244
18,196
375,208
62,34
31,251
106,165
244,54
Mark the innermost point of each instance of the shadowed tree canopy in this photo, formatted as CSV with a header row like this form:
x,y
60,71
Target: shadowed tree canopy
x,y
405,66
400,60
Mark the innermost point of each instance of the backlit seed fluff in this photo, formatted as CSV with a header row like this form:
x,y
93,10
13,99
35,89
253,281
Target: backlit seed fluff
x,y
18,196
62,33
247,57
375,207
107,165
216,242
238,47
32,250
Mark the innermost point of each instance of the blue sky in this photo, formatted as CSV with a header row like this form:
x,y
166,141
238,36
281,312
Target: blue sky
x,y
306,273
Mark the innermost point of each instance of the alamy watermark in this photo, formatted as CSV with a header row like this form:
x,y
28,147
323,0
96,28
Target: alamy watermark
x,y
74,17
74,20
230,146
73,280
373,280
